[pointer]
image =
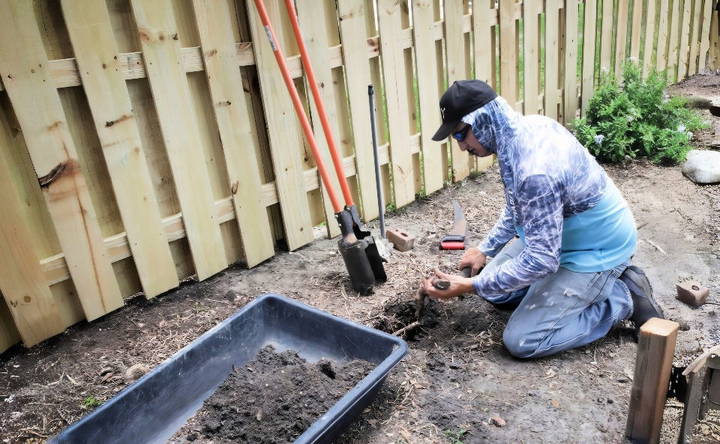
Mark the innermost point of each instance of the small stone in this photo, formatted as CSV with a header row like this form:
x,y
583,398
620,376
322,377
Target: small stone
x,y
498,421
555,403
610,401
135,372
702,166
622,380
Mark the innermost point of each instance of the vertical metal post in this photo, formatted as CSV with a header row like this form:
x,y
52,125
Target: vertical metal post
x,y
378,178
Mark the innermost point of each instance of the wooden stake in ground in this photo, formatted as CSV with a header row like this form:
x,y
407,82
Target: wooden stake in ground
x,y
656,347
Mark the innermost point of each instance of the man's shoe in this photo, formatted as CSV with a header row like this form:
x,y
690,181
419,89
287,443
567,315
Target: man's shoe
x,y
645,305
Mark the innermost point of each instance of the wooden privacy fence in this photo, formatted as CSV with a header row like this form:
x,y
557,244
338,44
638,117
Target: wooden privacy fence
x,y
146,141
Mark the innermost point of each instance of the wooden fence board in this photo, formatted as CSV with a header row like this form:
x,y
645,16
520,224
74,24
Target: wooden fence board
x,y
171,92
314,26
650,38
508,49
621,38
484,18
531,56
284,132
662,41
715,41
9,335
552,58
705,34
96,54
429,91
588,65
34,310
236,133
455,54
674,43
395,80
23,67
606,34
570,91
684,60
636,33
695,38
353,33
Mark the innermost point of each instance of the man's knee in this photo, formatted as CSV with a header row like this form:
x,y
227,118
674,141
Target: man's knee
x,y
516,342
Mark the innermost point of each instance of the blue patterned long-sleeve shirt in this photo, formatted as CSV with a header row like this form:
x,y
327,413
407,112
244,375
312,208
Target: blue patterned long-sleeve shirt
x,y
548,177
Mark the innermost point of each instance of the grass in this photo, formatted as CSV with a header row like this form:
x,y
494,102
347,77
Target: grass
x,y
91,402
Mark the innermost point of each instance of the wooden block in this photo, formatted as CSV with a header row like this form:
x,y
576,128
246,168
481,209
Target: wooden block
x,y
24,67
402,240
233,116
692,293
653,364
96,54
171,93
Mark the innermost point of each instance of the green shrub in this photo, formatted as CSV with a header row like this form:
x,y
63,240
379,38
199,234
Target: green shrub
x,y
635,119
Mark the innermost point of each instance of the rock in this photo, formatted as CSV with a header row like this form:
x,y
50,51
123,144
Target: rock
x,y
135,372
702,166
498,421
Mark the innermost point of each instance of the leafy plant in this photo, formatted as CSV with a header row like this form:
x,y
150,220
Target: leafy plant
x,y
91,402
456,436
635,119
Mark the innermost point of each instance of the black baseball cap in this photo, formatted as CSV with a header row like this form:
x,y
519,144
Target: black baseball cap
x,y
463,97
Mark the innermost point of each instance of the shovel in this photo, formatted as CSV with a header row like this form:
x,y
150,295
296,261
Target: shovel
x,y
357,246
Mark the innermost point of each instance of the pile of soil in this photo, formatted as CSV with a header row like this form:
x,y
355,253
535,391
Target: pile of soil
x,y
273,398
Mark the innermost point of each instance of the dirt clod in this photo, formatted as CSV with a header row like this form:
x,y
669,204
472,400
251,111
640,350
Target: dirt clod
x,y
498,421
136,372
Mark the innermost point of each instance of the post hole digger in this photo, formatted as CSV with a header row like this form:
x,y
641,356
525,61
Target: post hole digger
x,y
357,246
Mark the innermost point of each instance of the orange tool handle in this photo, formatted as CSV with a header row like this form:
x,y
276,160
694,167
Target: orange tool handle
x,y
337,161
299,110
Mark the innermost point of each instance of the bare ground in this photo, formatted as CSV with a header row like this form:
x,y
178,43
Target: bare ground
x,y
457,374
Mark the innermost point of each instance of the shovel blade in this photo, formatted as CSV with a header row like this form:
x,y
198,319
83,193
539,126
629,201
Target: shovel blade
x,y
358,266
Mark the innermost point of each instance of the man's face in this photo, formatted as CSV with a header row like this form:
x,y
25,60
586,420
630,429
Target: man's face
x,y
470,143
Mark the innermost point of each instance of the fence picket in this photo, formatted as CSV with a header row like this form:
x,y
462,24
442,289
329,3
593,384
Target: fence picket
x,y
429,90
96,55
238,138
396,87
24,65
674,43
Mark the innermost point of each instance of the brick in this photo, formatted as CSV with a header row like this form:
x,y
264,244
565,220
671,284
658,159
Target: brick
x,y
402,240
692,293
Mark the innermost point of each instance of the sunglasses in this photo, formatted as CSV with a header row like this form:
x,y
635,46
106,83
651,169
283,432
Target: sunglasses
x,y
462,134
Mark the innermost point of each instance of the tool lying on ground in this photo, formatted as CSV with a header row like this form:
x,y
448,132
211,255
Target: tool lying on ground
x,y
455,239
357,246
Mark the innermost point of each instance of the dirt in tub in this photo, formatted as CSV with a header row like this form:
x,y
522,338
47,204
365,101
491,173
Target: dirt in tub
x,y
273,398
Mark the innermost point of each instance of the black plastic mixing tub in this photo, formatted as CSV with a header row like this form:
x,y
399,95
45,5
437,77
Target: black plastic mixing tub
x,y
158,404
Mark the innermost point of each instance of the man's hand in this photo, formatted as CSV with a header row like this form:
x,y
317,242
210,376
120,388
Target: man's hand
x,y
473,258
458,286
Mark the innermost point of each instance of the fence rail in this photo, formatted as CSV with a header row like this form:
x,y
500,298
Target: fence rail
x,y
143,142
